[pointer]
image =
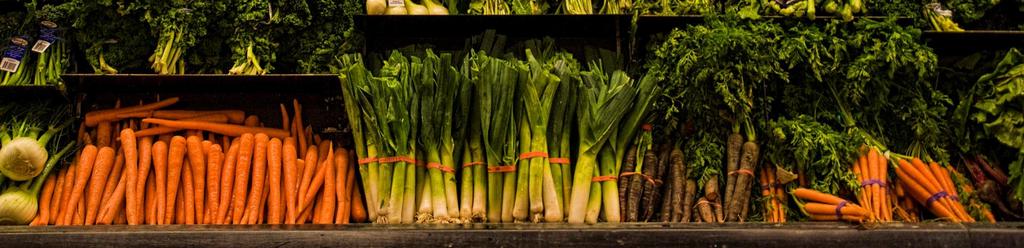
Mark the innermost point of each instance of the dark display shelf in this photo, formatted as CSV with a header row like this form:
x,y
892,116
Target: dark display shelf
x,y
971,41
31,93
526,235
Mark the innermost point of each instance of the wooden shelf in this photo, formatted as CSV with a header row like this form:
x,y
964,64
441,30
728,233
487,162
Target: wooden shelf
x,y
938,234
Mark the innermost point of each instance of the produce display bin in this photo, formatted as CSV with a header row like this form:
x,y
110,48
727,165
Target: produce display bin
x,y
321,97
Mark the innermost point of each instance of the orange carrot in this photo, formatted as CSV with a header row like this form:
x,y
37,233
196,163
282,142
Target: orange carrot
x,y
100,172
140,114
214,160
342,186
309,134
113,178
828,209
175,161
79,217
145,164
95,117
153,131
43,214
179,204
69,181
285,124
197,159
89,154
884,194
261,212
55,202
290,187
330,192
189,190
359,214
825,217
275,211
225,129
227,179
160,176
150,201
874,170
233,116
311,164
245,153
298,124
315,184
112,208
816,196
103,134
131,158
252,121
259,170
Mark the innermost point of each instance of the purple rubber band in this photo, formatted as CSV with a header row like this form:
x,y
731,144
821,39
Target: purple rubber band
x,y
870,182
839,210
935,197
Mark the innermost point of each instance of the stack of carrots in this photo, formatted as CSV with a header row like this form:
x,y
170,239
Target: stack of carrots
x,y
825,207
932,187
771,190
872,170
905,208
144,165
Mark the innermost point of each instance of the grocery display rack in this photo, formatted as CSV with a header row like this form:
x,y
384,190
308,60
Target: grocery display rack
x,y
321,97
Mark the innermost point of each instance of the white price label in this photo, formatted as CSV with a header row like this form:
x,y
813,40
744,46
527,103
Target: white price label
x,y
40,46
9,65
396,3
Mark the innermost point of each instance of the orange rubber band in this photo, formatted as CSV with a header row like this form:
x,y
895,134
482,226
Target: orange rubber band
x,y
366,161
742,171
603,178
388,160
527,155
558,160
439,166
501,169
471,164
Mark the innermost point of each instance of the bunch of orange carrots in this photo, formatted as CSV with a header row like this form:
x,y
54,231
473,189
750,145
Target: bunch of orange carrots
x,y
771,190
872,170
932,187
145,165
825,207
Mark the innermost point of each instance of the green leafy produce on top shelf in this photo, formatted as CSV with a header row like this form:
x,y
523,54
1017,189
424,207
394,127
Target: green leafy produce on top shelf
x,y
180,25
258,27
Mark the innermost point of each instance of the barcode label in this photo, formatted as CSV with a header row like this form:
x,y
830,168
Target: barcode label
x,y
9,65
396,3
40,46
